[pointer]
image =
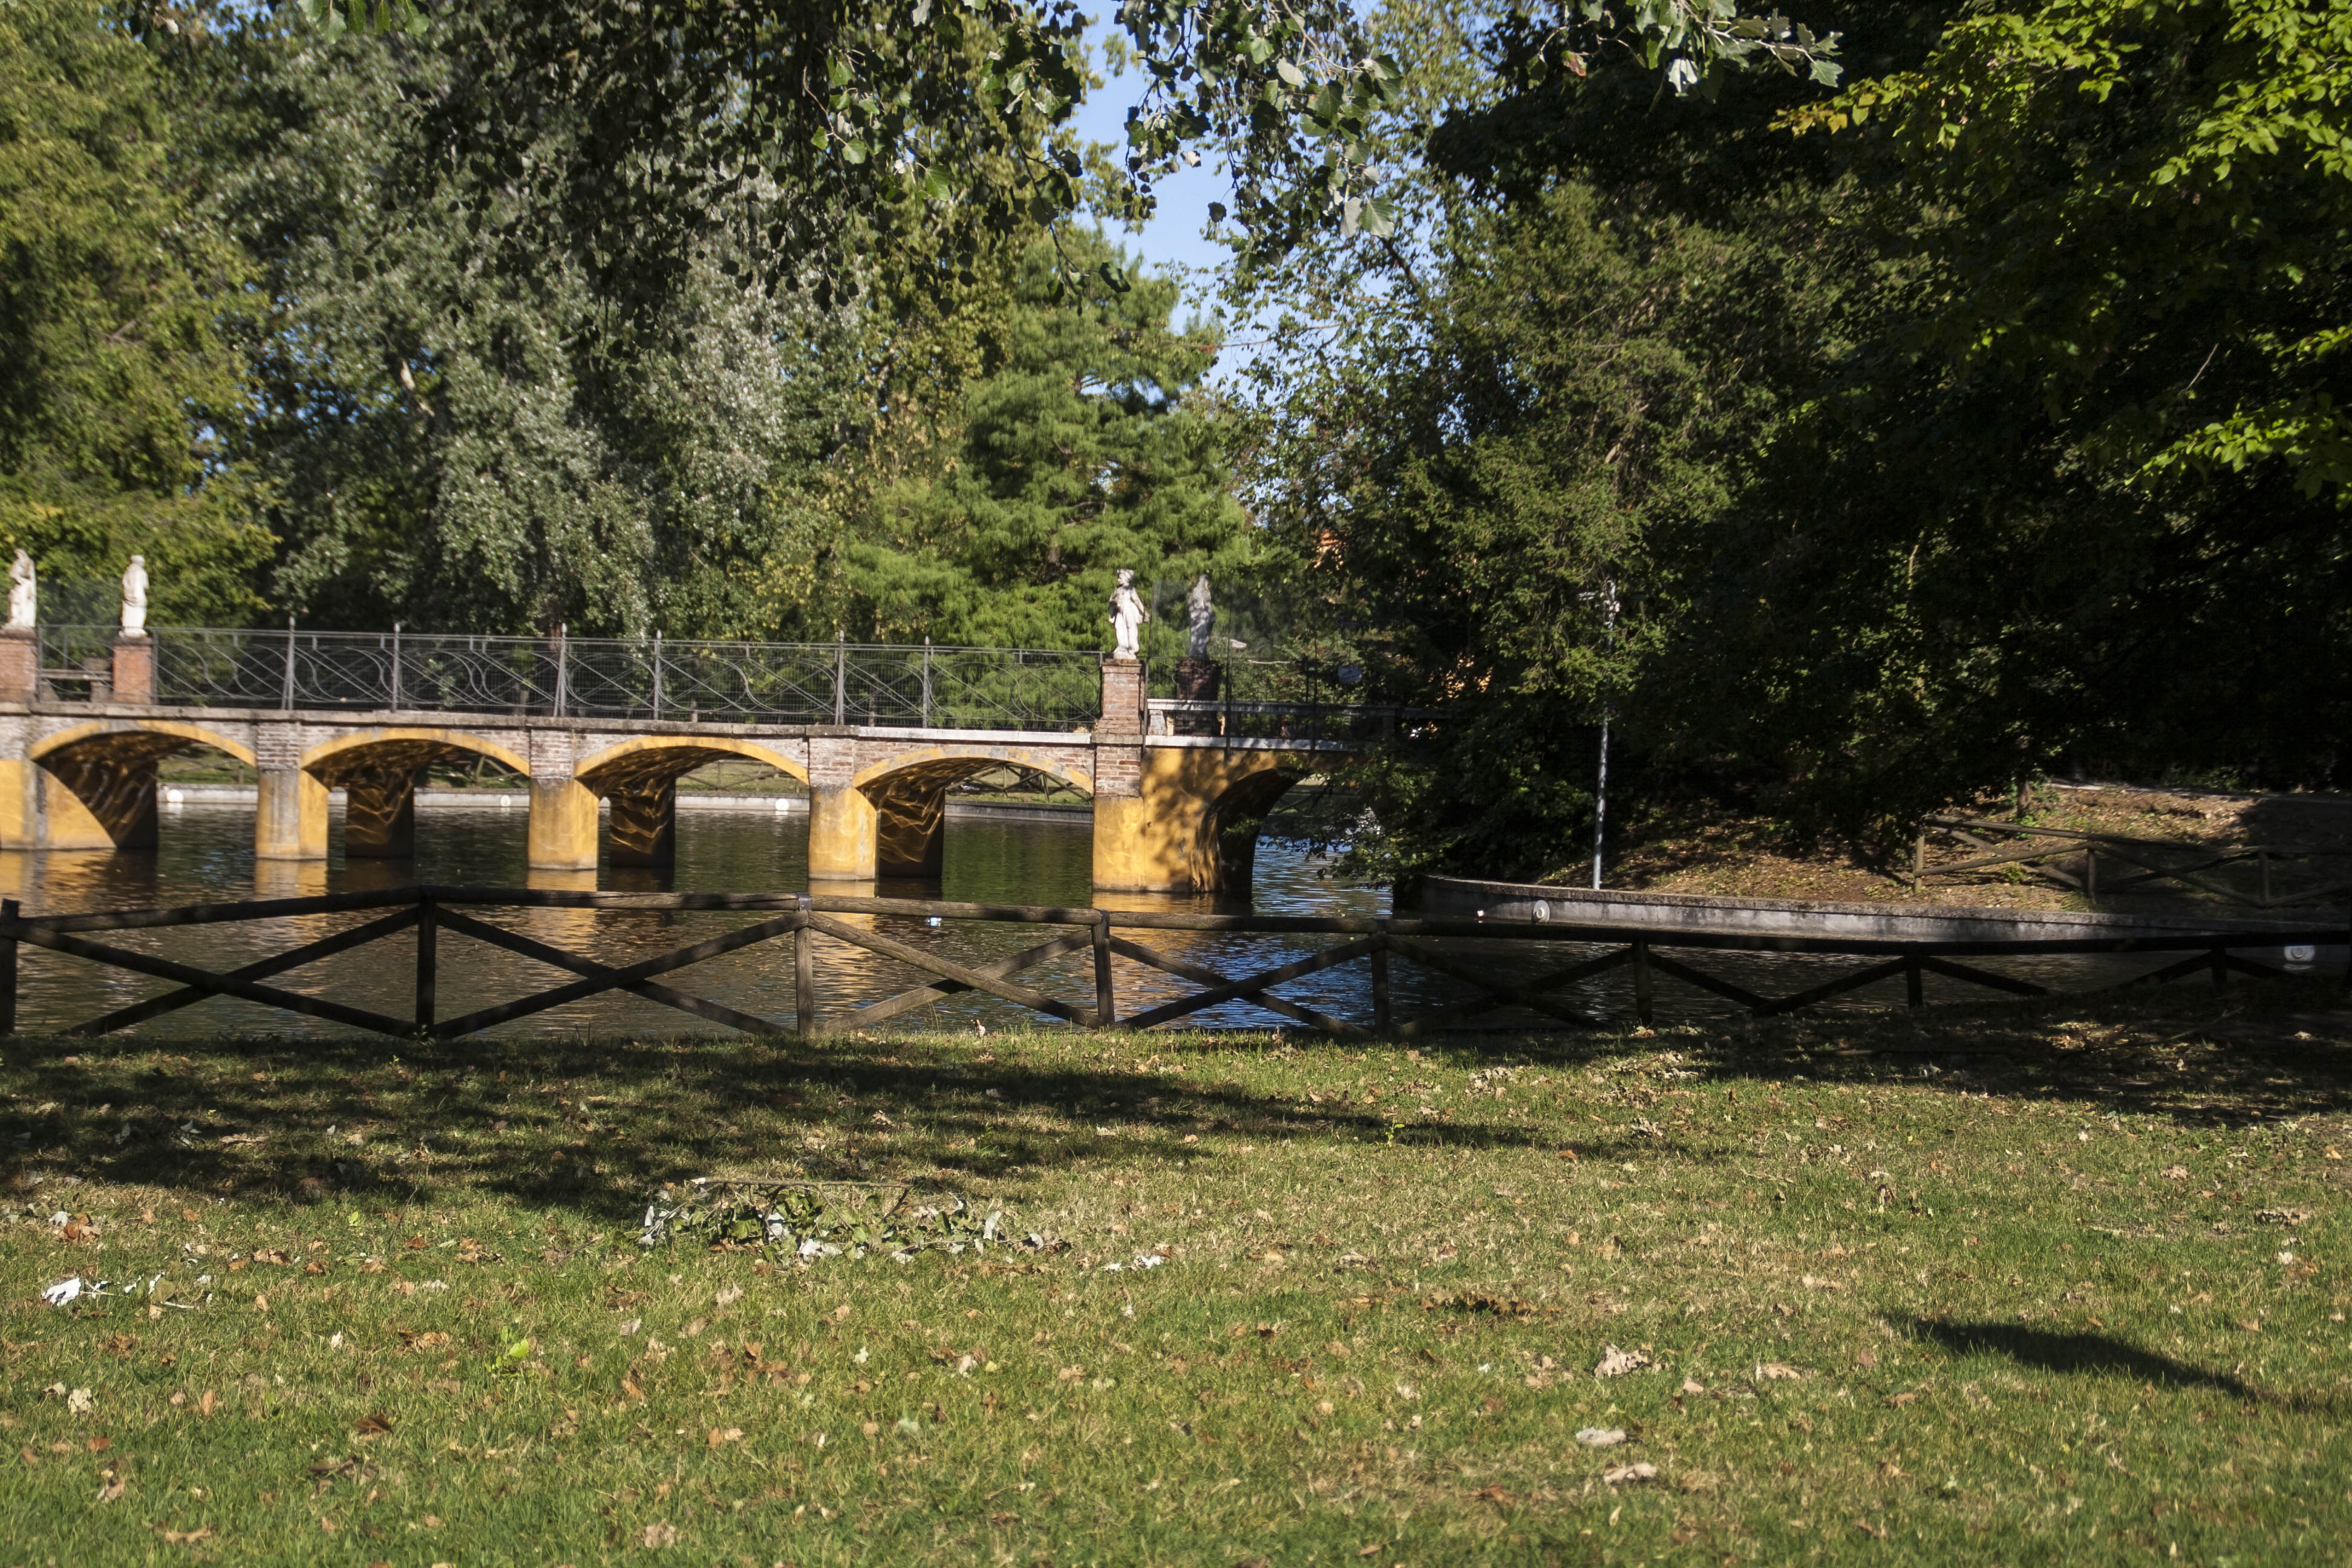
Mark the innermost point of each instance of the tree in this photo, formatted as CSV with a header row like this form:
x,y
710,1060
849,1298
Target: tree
x,y
1085,445
457,425
113,383
2079,498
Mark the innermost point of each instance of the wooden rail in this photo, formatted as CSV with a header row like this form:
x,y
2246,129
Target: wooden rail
x,y
436,912
2101,864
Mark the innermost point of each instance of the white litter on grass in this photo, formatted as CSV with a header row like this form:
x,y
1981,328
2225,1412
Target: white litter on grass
x,y
63,1291
1140,1260
1601,1437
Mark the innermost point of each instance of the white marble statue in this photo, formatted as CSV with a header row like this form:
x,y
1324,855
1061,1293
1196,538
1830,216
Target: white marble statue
x,y
135,597
1202,614
1127,617
21,590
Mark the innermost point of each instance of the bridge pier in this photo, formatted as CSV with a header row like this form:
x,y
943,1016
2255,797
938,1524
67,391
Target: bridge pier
x,y
380,813
842,820
562,831
290,818
645,822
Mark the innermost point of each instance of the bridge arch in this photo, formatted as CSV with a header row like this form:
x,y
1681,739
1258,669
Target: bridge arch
x,y
376,769
639,779
95,781
329,762
908,790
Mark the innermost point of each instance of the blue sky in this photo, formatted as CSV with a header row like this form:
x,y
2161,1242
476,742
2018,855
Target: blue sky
x,y
1172,238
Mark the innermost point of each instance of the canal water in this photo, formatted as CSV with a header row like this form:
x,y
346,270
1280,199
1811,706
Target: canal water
x,y
206,855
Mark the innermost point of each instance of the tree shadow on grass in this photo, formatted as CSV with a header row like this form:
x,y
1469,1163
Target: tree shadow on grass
x,y
595,1125
2089,1355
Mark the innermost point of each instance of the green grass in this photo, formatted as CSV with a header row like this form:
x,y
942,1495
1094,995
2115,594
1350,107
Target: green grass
x,y
2026,1308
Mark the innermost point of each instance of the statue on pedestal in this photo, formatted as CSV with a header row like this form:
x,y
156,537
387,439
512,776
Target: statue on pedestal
x,y
1127,618
1202,613
135,597
21,590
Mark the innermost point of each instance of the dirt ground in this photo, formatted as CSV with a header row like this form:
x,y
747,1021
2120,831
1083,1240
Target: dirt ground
x,y
2311,834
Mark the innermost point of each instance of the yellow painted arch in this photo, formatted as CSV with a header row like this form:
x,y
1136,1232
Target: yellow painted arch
x,y
750,750
979,756
195,735
361,739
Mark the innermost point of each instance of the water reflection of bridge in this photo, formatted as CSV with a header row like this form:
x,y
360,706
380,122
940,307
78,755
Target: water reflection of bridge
x,y
603,731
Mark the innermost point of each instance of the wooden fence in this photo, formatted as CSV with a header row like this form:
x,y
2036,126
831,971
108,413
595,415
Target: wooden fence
x,y
433,912
2099,865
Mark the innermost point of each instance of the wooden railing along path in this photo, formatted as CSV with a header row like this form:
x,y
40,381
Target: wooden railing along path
x,y
431,911
2104,864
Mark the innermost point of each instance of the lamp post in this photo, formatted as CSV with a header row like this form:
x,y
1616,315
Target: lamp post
x,y
1606,595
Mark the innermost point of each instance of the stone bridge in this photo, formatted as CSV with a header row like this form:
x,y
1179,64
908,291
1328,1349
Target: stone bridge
x,y
1171,812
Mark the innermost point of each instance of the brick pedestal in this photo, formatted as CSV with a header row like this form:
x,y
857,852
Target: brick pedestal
x,y
1199,681
20,666
1122,698
134,669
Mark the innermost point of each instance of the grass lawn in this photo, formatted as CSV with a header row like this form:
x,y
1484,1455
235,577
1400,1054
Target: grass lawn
x,y
2043,1284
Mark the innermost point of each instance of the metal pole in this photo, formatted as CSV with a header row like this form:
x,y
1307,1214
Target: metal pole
x,y
927,683
287,695
657,674
1601,784
562,658
840,677
396,666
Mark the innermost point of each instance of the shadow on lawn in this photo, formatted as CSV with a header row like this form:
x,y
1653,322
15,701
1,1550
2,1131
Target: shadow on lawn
x,y
2261,1051
2064,1352
594,1125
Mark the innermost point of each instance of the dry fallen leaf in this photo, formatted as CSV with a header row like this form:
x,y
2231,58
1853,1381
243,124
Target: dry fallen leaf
x,y
1776,1371
722,1434
657,1535
374,1424
1615,1362
184,1537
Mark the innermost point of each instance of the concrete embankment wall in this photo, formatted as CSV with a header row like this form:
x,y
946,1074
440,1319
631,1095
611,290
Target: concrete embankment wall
x,y
1695,912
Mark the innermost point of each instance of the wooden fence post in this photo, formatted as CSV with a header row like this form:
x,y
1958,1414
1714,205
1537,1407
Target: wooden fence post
x,y
2091,874
804,972
1383,1016
9,908
1105,999
428,960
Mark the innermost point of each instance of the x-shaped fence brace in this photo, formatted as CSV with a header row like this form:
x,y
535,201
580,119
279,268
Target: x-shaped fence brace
x,y
431,910
2141,857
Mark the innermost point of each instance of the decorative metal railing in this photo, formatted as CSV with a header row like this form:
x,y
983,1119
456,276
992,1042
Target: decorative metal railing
x,y
923,686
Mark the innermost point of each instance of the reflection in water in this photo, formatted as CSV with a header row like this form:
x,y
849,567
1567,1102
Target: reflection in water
x,y
206,855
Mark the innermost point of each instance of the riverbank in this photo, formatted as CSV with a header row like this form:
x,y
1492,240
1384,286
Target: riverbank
x,y
1719,854
1688,1297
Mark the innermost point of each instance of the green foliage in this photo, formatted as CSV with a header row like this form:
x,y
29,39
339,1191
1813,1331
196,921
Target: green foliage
x,y
458,424
111,375
2075,499
2142,211
1085,445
